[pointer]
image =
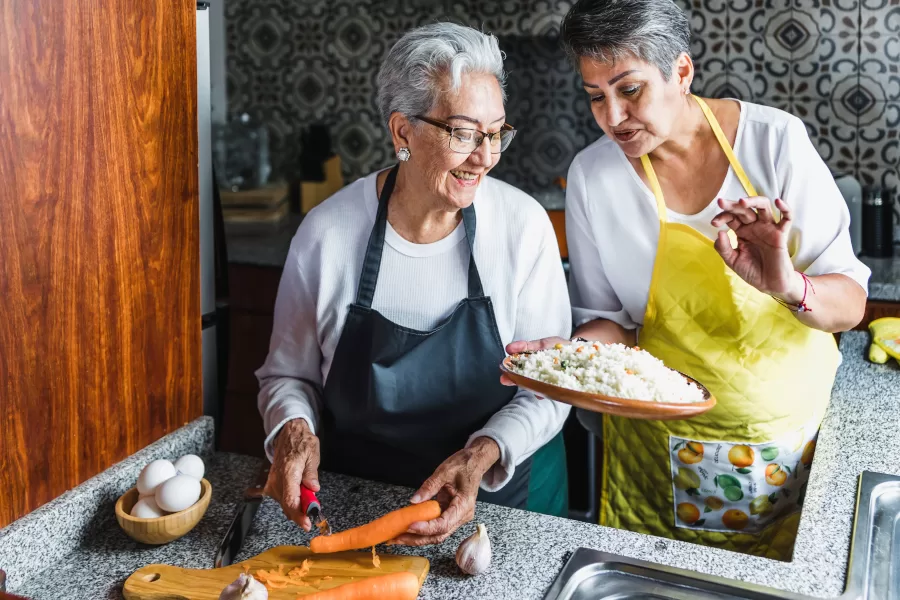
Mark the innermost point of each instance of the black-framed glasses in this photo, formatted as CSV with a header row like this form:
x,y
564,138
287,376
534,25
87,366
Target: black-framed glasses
x,y
466,140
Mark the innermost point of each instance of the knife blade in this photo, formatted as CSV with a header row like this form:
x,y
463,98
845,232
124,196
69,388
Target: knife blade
x,y
243,519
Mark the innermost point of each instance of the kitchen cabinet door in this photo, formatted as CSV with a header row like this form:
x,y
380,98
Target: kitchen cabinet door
x,y
99,271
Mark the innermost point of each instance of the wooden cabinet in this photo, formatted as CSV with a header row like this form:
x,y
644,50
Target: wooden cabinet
x,y
99,253
253,292
877,309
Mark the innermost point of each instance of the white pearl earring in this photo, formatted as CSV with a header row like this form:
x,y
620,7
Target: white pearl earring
x,y
403,154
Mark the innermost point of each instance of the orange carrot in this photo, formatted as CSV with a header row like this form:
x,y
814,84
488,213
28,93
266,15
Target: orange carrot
x,y
378,531
395,586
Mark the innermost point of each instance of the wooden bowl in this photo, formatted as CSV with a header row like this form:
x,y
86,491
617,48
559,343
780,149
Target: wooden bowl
x,y
161,530
621,407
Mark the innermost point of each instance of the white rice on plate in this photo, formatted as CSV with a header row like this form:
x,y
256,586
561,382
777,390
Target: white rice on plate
x,y
609,369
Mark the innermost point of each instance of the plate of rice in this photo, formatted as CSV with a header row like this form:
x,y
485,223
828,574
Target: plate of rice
x,y
610,378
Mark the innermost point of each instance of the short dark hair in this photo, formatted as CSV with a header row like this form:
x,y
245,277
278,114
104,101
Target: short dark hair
x,y
655,31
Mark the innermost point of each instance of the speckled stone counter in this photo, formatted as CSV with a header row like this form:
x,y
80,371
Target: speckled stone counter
x,y
860,433
885,281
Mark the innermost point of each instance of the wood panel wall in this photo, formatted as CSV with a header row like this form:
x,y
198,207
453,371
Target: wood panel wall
x,y
99,272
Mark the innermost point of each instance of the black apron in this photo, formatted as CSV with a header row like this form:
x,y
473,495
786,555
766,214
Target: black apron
x,y
398,402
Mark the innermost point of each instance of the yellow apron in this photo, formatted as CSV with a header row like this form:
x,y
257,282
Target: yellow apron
x,y
734,477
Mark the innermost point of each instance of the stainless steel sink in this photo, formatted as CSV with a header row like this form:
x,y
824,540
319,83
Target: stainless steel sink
x,y
594,575
873,571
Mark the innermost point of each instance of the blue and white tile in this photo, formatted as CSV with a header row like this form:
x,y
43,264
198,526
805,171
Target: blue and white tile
x,y
833,139
839,18
879,144
816,71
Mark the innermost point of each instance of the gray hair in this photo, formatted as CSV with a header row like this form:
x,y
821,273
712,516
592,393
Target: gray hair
x,y
655,31
410,78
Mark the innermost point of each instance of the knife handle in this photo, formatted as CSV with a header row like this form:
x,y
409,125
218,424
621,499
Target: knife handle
x,y
308,499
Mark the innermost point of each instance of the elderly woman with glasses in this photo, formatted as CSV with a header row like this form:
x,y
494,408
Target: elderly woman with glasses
x,y
397,299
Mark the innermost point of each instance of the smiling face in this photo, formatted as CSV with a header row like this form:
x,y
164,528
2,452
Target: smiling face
x,y
452,177
633,103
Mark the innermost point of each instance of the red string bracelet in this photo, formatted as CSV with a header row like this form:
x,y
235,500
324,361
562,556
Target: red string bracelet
x,y
802,307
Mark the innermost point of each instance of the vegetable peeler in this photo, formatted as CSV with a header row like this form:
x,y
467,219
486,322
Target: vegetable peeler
x,y
313,509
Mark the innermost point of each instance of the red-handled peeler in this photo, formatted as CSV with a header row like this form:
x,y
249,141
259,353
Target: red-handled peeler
x,y
312,508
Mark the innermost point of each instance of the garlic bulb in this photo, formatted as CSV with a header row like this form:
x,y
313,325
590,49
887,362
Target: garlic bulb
x,y
474,554
245,587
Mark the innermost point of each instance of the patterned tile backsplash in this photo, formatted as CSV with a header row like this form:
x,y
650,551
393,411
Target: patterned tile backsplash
x,y
833,63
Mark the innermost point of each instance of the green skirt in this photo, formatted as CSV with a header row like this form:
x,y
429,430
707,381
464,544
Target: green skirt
x,y
548,487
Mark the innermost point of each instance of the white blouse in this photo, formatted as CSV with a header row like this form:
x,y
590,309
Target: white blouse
x,y
612,224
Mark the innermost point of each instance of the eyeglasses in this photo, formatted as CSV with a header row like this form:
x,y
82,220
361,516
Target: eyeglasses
x,y
465,140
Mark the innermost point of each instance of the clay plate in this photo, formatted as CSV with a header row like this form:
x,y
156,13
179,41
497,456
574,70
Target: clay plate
x,y
621,407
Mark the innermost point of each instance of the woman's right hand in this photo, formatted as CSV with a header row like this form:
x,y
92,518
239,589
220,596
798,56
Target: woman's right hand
x,y
296,461
534,346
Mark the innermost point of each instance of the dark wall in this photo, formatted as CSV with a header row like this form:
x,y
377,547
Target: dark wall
x,y
831,62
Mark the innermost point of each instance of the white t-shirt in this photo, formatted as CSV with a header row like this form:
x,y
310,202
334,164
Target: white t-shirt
x,y
418,286
612,224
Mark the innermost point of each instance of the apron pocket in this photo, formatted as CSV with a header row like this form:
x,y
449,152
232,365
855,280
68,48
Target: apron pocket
x,y
734,486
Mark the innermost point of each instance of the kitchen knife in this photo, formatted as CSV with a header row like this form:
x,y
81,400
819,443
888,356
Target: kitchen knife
x,y
312,508
243,519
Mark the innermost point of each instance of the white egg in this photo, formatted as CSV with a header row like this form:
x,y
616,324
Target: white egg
x,y
178,493
154,474
190,464
147,508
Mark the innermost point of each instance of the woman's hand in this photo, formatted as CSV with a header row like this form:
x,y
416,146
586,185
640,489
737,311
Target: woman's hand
x,y
534,346
761,258
454,485
296,461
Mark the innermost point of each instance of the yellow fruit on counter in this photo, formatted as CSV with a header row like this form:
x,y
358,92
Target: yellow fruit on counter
x,y
886,336
877,354
735,519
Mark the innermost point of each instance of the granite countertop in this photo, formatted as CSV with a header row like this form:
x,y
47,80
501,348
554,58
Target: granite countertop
x,y
885,281
860,433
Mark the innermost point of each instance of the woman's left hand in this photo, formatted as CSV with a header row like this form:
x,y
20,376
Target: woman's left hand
x,y
454,485
761,258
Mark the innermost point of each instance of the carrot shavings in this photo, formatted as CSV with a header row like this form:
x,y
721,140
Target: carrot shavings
x,y
375,560
629,371
323,527
326,578
279,580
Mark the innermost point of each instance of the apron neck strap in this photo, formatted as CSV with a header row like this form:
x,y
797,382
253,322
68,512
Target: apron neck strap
x,y
726,148
368,279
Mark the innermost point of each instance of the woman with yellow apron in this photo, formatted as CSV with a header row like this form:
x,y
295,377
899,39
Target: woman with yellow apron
x,y
672,248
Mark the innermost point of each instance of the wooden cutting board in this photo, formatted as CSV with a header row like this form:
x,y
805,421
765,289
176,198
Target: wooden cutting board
x,y
164,582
